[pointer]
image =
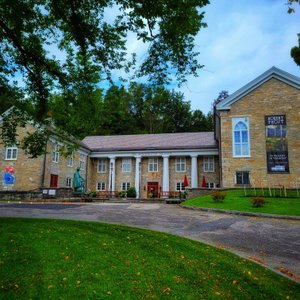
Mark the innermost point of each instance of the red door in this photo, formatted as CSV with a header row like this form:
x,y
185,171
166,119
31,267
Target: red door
x,y
152,190
53,181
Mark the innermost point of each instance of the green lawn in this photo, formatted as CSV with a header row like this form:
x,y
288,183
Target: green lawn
x,y
56,259
236,200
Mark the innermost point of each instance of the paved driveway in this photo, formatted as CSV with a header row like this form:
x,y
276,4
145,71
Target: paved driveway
x,y
274,241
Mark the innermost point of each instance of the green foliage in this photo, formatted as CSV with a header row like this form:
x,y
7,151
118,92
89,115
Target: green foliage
x,y
295,52
131,192
258,201
86,47
218,197
92,195
122,194
51,259
35,143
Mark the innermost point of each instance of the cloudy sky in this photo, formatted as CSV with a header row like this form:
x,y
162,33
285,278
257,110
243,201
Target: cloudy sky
x,y
243,39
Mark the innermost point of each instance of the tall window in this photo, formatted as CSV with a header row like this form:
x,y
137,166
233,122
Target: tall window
x,y
101,166
209,164
101,186
180,186
55,154
70,160
180,163
153,165
82,161
242,177
125,186
68,182
11,153
241,144
126,165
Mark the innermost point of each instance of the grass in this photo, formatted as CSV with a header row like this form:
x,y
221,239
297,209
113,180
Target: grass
x,y
236,200
56,259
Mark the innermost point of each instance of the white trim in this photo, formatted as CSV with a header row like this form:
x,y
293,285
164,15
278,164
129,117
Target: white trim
x,y
273,72
11,148
126,162
104,163
204,164
154,163
234,121
198,152
180,163
101,183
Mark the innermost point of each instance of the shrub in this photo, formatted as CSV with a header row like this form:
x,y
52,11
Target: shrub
x,y
218,197
258,201
92,195
122,194
131,192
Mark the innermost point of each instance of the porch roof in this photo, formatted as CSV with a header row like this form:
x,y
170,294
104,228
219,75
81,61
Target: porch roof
x,y
164,141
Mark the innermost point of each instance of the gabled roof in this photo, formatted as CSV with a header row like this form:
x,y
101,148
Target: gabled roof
x,y
271,73
140,142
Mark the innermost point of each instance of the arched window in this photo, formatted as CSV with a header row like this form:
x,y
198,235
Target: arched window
x,y
241,146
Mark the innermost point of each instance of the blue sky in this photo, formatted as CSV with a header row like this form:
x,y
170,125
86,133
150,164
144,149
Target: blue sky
x,y
243,39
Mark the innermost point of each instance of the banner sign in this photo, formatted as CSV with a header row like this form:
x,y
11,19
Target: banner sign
x,y
276,144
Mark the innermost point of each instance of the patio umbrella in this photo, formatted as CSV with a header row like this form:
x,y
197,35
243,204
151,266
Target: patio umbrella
x,y
185,181
203,182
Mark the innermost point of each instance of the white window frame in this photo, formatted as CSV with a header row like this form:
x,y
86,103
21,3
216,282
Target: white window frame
x,y
102,166
208,164
243,145
55,154
11,153
125,186
179,186
101,186
180,164
210,185
82,159
153,164
70,160
68,182
126,165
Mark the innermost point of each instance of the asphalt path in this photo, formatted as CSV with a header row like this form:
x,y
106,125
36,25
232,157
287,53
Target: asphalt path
x,y
275,242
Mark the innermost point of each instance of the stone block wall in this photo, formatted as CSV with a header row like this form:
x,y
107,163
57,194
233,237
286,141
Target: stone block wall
x,y
274,97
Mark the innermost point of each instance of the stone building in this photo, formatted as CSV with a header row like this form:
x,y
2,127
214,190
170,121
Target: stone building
x,y
256,142
258,130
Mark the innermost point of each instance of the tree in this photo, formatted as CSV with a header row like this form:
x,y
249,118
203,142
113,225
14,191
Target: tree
x,y
295,51
84,39
222,95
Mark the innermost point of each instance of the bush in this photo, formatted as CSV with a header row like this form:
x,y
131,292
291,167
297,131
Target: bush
x,y
218,197
92,195
131,192
258,201
122,194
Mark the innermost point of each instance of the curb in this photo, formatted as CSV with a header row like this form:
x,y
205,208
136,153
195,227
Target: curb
x,y
241,213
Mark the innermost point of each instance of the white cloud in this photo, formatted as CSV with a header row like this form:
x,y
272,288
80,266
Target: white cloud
x,y
243,39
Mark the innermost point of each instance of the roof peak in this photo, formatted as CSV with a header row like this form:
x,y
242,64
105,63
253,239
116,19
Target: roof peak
x,y
273,72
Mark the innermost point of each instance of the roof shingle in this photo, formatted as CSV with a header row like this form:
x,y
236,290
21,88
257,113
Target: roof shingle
x,y
163,141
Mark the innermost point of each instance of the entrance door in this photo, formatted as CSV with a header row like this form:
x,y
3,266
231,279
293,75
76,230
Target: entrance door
x,y
53,181
152,190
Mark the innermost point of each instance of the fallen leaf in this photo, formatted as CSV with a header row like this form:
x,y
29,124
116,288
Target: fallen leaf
x,y
217,293
167,289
